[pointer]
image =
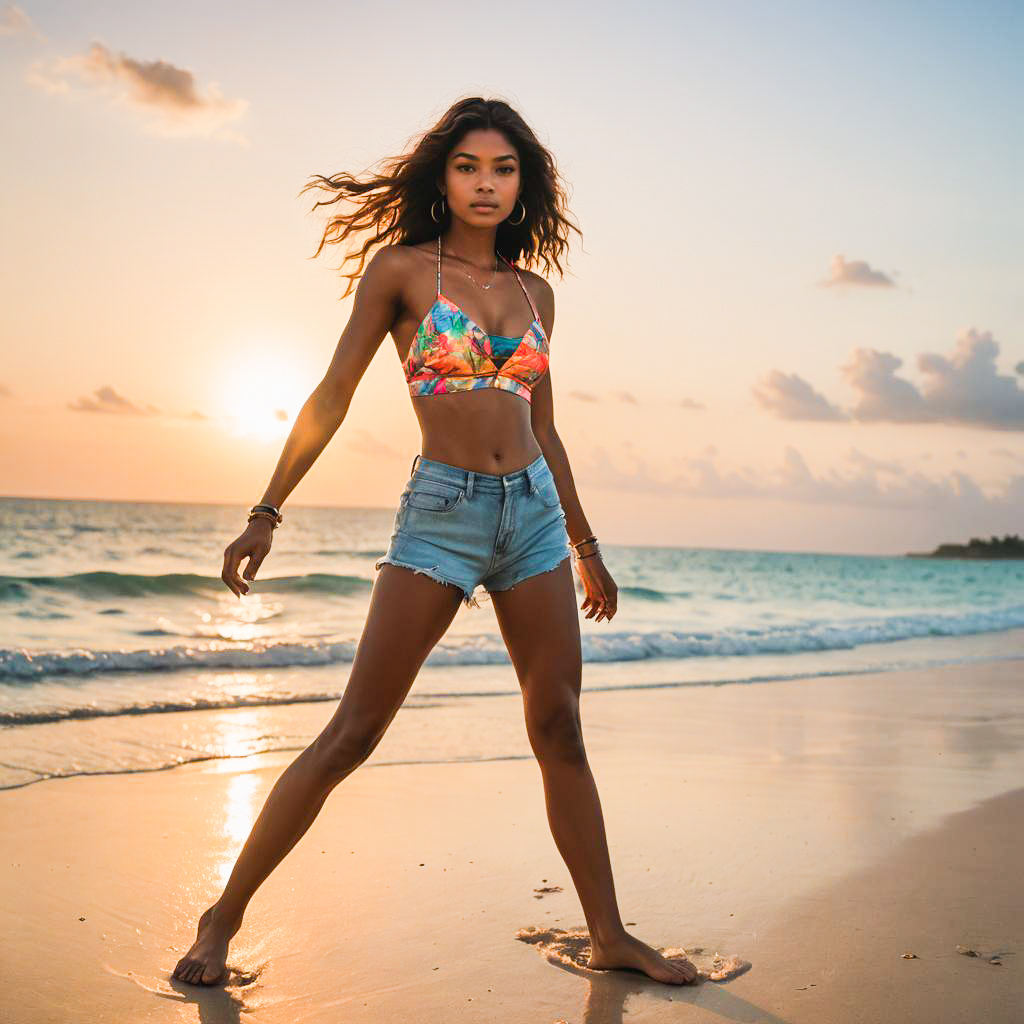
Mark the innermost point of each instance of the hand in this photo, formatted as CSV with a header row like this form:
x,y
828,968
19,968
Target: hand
x,y
254,543
602,593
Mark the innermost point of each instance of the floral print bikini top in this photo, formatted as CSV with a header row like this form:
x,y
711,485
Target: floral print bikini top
x,y
451,353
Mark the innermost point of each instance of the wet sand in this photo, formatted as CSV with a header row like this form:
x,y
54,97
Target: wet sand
x,y
816,829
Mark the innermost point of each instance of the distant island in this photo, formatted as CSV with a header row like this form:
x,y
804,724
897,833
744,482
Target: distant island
x,y
1011,546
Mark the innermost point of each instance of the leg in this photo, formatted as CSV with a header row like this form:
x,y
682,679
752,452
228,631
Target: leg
x,y
548,664
408,614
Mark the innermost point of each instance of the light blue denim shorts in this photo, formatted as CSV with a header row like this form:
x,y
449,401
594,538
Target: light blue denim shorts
x,y
468,529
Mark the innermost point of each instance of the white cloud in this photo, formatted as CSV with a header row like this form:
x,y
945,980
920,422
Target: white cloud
x,y
856,273
156,87
964,388
870,483
792,398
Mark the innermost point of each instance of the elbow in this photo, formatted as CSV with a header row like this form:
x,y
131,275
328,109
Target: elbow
x,y
331,398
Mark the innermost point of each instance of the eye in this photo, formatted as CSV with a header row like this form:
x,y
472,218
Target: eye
x,y
464,167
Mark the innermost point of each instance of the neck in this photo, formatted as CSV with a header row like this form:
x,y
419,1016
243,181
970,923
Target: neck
x,y
475,245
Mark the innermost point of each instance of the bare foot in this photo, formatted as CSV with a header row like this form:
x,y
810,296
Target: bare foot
x,y
205,963
631,952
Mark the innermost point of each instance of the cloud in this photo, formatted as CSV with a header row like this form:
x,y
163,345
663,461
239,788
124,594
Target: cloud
x,y
871,483
15,22
365,442
856,272
630,398
964,388
793,398
883,395
1007,454
106,399
157,87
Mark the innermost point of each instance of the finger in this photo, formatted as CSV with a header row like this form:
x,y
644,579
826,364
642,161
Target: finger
x,y
255,561
230,574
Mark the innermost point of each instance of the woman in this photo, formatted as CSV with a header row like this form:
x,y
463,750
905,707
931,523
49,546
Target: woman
x,y
490,501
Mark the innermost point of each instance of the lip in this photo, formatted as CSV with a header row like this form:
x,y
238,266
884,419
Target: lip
x,y
484,206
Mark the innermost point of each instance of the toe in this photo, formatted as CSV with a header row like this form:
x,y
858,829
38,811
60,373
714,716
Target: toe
x,y
210,978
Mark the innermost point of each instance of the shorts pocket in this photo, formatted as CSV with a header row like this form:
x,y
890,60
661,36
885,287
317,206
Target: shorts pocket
x,y
548,492
433,495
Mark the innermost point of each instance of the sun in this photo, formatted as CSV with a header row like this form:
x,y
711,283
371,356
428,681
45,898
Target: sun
x,y
262,399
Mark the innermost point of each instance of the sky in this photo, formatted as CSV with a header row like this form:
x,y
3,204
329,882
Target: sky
x,y
795,320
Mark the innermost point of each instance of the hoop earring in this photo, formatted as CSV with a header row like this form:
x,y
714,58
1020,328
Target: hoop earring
x,y
521,219
436,220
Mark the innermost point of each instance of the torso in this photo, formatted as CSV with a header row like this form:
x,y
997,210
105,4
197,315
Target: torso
x,y
488,430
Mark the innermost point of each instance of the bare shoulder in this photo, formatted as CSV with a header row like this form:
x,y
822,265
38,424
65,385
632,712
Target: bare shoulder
x,y
542,292
387,275
390,263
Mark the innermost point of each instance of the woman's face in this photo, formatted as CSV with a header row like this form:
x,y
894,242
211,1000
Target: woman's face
x,y
482,168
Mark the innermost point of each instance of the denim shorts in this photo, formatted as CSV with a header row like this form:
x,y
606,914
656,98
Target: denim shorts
x,y
466,528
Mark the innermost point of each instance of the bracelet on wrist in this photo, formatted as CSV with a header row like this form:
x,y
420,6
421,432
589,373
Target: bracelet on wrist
x,y
264,511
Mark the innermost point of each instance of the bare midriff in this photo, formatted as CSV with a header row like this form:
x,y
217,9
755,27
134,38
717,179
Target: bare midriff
x,y
487,431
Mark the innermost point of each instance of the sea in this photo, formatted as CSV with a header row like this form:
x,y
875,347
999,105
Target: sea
x,y
121,649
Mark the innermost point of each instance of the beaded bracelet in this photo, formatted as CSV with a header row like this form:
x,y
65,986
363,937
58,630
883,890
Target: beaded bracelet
x,y
266,512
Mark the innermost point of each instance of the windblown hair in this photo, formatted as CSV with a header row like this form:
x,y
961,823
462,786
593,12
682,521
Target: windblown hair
x,y
393,206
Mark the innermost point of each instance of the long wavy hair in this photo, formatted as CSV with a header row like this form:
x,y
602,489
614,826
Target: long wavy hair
x,y
393,204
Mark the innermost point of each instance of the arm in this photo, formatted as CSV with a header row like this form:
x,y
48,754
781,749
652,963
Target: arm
x,y
542,418
601,589
376,303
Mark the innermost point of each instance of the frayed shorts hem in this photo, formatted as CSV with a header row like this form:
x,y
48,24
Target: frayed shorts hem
x,y
563,555
433,573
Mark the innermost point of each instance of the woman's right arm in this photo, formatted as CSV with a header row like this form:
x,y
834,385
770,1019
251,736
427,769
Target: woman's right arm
x,y
376,304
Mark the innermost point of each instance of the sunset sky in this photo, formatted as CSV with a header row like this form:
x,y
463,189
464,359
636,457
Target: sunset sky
x,y
796,320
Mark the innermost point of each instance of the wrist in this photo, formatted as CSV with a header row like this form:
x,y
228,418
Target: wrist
x,y
270,513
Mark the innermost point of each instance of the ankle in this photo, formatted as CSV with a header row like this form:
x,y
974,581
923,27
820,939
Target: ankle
x,y
227,916
608,936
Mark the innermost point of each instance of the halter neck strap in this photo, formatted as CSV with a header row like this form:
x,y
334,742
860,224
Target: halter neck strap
x,y
511,266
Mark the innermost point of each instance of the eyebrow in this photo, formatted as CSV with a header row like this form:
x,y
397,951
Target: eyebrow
x,y
472,156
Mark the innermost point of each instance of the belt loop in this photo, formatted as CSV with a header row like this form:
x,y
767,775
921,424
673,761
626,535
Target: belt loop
x,y
413,469
470,476
530,479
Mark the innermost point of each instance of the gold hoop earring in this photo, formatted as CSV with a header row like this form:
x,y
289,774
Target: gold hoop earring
x,y
521,219
436,220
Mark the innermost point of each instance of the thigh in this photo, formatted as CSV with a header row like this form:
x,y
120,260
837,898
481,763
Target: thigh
x,y
540,625
408,614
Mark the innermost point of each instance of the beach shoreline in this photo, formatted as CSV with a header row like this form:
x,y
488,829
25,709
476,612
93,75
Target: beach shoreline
x,y
800,826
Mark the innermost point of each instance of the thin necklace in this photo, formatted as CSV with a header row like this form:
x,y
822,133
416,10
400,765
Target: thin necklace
x,y
494,273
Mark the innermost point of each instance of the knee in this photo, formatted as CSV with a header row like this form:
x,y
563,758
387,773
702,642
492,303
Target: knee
x,y
556,732
340,751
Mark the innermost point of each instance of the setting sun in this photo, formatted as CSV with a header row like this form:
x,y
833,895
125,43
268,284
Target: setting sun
x,y
262,398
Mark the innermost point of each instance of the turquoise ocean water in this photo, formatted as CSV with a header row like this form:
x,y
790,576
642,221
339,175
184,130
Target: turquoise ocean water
x,y
114,624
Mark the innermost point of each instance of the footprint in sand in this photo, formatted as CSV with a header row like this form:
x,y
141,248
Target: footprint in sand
x,y
571,948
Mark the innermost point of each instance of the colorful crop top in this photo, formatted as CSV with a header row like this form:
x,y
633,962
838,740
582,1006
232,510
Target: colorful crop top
x,y
449,352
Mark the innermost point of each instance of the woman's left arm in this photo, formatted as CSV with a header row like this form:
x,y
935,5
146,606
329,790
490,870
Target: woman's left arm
x,y
601,591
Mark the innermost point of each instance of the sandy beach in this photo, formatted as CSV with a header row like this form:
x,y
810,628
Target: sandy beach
x,y
818,829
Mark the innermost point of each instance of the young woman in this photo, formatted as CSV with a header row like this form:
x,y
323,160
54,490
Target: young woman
x,y
490,501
